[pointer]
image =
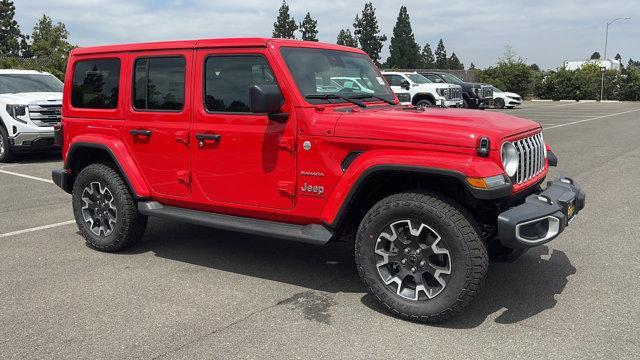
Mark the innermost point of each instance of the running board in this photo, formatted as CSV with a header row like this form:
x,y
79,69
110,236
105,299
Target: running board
x,y
315,234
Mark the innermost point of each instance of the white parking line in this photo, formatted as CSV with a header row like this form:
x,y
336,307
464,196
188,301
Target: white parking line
x,y
26,176
591,119
38,228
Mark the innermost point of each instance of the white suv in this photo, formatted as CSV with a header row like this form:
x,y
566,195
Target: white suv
x,y
423,91
30,105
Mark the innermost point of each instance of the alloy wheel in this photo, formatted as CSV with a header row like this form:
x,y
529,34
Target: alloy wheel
x,y
2,150
412,260
98,209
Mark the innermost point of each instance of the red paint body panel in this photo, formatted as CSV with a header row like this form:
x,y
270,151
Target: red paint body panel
x,y
261,168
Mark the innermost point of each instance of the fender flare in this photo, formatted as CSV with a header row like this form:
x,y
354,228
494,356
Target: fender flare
x,y
121,157
423,95
455,166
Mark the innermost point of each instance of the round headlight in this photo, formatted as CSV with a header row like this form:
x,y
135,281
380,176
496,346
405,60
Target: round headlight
x,y
510,160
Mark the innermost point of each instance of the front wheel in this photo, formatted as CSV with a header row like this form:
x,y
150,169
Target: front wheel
x,y
498,103
420,256
5,150
105,210
424,103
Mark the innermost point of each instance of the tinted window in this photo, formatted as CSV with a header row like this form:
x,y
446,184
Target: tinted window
x,y
96,84
228,79
394,80
159,83
434,78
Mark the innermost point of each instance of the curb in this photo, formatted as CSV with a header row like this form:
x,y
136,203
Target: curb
x,y
540,100
567,100
611,101
587,101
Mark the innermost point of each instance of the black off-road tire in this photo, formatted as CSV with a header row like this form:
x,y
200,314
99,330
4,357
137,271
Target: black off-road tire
x,y
130,224
465,104
468,254
6,155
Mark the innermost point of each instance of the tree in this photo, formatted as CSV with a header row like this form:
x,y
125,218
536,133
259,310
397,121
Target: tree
x,y
633,63
49,43
285,25
345,38
428,60
10,35
510,74
441,56
595,56
404,52
472,66
366,32
454,63
534,67
618,57
309,28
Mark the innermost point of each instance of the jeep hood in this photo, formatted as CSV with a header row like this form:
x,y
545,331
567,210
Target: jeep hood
x,y
28,97
454,127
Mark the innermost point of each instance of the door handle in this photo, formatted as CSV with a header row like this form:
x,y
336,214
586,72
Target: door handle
x,y
213,137
140,132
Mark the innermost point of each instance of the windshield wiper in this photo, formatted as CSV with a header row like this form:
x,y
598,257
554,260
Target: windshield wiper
x,y
335,96
366,96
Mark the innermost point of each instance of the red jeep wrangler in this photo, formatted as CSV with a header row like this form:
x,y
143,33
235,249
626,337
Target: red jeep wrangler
x,y
254,135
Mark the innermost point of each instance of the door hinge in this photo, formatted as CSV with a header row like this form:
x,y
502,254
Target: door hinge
x,y
182,137
287,143
287,187
184,177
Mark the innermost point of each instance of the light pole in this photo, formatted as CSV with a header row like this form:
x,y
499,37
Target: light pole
x,y
606,40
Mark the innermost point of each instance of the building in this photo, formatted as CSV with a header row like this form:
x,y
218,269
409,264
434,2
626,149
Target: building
x,y
610,64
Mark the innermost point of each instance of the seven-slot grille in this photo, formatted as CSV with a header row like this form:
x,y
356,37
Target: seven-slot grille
x,y
532,157
46,113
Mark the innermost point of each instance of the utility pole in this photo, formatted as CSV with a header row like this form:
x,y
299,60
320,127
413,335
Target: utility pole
x,y
603,70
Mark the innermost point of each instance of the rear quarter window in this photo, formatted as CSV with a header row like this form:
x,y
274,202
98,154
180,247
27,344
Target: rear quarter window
x,y
96,84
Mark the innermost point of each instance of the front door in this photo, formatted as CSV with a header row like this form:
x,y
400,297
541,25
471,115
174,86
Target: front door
x,y
157,120
395,81
240,157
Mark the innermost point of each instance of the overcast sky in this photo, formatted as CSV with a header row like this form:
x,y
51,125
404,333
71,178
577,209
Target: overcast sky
x,y
544,32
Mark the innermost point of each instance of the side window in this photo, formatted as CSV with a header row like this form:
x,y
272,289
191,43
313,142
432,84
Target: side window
x,y
96,84
158,83
434,78
394,80
228,79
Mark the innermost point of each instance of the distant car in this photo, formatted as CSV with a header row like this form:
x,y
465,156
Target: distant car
x,y
423,91
474,95
505,99
30,106
354,83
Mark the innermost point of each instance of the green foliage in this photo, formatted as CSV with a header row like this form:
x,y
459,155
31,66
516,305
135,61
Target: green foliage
x,y
633,63
428,60
510,74
367,32
630,84
49,42
595,56
472,66
454,62
347,39
12,42
285,26
309,28
534,67
404,52
442,62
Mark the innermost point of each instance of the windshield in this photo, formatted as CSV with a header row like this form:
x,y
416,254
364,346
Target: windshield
x,y
334,72
19,83
451,79
418,79
496,89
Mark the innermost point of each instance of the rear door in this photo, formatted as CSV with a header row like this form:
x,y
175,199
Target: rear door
x,y
158,117
395,81
240,157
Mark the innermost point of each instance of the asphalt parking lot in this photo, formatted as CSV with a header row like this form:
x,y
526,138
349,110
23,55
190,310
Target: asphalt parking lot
x,y
193,292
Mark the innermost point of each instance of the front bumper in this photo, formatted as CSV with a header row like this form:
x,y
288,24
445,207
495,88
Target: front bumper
x,y
60,177
451,103
543,216
33,141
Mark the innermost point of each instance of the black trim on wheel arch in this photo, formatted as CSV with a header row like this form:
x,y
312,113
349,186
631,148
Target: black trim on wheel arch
x,y
77,145
499,192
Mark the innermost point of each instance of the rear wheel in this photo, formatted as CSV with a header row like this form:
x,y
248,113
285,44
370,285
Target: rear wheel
x,y
420,256
5,150
105,210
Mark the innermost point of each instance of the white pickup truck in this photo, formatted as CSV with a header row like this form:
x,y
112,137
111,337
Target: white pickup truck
x,y
30,105
423,91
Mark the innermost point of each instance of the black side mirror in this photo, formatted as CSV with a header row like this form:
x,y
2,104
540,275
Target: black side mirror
x,y
405,85
267,99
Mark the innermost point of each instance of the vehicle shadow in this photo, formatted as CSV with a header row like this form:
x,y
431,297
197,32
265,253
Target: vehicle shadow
x,y
37,157
524,288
